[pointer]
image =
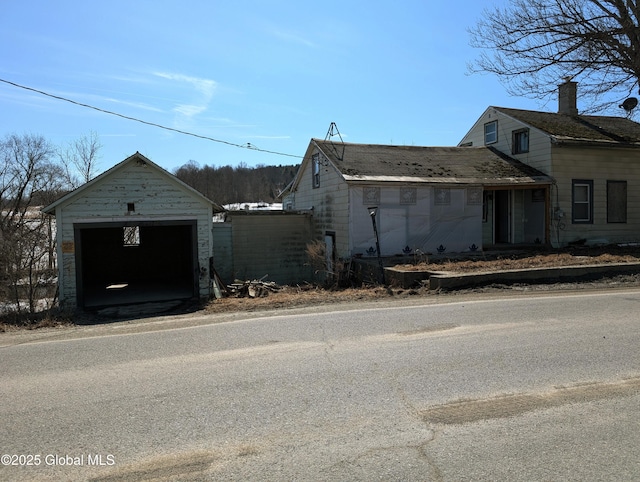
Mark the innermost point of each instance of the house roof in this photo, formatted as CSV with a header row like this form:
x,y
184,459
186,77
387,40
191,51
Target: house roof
x,y
582,129
50,209
464,165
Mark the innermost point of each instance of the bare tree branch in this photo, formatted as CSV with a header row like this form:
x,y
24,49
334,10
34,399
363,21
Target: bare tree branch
x,y
532,45
80,159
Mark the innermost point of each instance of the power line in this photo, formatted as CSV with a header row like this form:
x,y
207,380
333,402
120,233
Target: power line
x,y
153,124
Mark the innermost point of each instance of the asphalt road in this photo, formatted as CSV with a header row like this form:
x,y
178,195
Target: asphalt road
x,y
529,388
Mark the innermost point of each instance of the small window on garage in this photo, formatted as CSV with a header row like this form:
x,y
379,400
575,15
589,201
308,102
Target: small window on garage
x,y
131,236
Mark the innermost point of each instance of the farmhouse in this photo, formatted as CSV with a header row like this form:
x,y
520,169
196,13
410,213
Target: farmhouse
x,y
517,178
594,162
134,234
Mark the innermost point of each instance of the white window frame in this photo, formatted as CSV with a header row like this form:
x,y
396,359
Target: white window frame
x,y
491,132
582,183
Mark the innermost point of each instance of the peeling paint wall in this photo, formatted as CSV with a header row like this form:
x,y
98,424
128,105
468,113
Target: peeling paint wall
x,y
134,192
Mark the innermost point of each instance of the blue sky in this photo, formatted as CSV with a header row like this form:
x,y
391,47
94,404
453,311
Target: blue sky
x,y
272,74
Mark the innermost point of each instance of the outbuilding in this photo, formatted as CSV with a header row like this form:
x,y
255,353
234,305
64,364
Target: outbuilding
x,y
134,234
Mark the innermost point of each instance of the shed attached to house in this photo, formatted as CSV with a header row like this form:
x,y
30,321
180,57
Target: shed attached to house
x,y
423,199
134,234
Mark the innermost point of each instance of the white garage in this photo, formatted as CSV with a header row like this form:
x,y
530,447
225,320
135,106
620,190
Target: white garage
x,y
134,234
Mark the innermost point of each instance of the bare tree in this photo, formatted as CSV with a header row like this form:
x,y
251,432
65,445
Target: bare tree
x,y
532,45
27,178
80,159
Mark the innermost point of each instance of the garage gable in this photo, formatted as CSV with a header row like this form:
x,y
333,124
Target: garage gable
x,y
135,175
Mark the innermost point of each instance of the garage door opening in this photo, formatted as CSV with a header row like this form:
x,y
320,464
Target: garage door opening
x,y
127,263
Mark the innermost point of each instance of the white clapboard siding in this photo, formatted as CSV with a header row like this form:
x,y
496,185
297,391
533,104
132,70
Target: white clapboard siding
x,y
539,155
598,165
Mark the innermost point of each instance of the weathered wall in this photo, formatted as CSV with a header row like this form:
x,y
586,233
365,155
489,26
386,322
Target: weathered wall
x,y
223,250
329,203
269,244
564,164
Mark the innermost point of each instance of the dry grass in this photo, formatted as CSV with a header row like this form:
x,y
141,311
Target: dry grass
x,y
538,261
292,297
33,321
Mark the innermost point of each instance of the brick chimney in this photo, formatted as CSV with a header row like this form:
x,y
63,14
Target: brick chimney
x,y
568,98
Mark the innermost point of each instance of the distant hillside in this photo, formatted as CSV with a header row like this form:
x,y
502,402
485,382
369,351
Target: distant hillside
x,y
227,184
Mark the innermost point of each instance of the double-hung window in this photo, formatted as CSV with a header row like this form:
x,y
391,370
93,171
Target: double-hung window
x,y
582,201
520,141
491,132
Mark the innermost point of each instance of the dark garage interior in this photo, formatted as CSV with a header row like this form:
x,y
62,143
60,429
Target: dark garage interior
x,y
130,263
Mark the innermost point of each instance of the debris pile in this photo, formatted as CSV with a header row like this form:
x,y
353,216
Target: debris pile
x,y
252,289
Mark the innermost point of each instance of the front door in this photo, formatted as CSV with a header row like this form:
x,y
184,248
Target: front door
x,y
502,217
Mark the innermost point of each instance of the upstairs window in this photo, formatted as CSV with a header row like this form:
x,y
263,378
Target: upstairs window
x,y
582,202
520,141
315,169
491,132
